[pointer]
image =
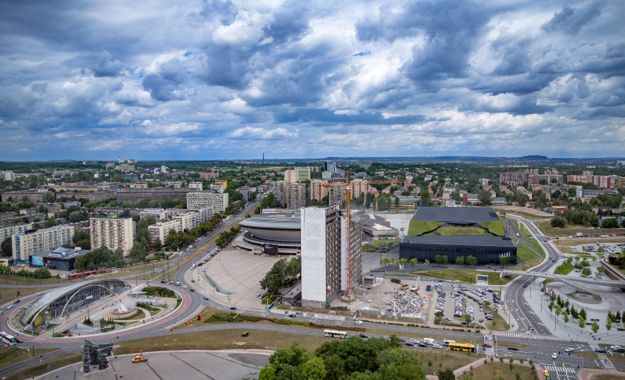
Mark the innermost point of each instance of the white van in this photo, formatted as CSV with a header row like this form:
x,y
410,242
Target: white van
x,y
429,341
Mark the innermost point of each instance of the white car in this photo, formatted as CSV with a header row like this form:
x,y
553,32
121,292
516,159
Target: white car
x,y
554,355
358,322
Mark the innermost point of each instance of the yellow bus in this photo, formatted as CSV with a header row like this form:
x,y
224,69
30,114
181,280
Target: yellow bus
x,y
466,347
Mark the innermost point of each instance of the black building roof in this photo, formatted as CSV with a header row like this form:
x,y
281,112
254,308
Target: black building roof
x,y
478,241
456,215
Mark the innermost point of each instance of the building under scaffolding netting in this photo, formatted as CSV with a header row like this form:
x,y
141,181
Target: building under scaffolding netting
x,y
60,302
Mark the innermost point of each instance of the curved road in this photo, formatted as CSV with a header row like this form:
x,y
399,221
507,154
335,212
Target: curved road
x,y
526,319
536,349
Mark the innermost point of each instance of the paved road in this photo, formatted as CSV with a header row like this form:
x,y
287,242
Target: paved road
x,y
538,350
526,320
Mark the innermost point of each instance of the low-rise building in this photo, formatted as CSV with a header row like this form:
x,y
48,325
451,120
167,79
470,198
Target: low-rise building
x,y
160,231
46,239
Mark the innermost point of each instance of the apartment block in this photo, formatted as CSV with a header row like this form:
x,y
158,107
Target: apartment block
x,y
187,221
7,232
160,230
198,186
318,189
351,254
359,186
201,199
8,176
298,174
40,241
321,256
112,233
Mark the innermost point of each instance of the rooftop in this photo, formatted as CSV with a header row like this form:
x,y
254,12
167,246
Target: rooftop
x,y
483,241
456,215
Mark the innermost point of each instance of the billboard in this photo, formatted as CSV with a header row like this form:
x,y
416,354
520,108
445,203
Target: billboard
x,y
36,261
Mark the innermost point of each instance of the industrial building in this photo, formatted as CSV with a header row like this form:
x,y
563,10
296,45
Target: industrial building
x,y
431,242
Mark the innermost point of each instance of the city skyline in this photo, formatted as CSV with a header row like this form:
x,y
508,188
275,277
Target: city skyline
x,y
221,80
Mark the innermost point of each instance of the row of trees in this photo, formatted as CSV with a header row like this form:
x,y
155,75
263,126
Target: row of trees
x,y
438,259
351,358
40,273
180,239
100,258
281,275
226,237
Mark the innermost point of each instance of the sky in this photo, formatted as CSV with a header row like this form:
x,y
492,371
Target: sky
x,y
213,79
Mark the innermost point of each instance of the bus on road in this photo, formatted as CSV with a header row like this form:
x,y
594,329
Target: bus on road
x,y
7,339
335,334
466,347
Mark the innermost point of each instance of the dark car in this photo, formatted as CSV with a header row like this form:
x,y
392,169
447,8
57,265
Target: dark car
x,y
363,336
512,349
232,308
18,301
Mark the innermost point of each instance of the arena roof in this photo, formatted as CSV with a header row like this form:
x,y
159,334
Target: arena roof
x,y
478,241
277,221
456,215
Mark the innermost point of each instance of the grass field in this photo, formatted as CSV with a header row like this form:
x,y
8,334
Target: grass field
x,y
496,371
496,227
13,279
564,268
418,227
10,355
7,294
380,245
462,231
565,245
464,275
529,254
571,230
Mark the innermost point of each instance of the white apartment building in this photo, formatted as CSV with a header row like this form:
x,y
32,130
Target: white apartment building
x,y
298,174
8,176
112,233
187,220
196,186
7,232
160,230
156,213
318,189
40,241
200,199
321,255
204,214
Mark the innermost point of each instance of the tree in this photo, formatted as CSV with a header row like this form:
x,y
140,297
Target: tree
x,y
610,223
313,369
504,260
581,322
444,259
446,375
566,318
595,326
82,239
573,312
617,317
138,253
484,197
470,260
398,363
586,272
459,261
608,323
7,247
558,222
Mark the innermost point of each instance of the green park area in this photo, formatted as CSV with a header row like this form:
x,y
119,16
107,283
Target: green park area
x,y
499,370
495,227
419,227
380,245
461,231
565,268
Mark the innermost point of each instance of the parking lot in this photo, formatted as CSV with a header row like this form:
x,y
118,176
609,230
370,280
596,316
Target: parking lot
x,y
462,304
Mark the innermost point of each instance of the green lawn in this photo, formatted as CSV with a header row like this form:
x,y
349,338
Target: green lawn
x,y
529,254
571,230
10,355
461,231
380,245
419,227
496,227
497,370
565,268
465,275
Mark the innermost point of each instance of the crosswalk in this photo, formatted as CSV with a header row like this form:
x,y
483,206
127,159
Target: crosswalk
x,y
525,335
560,369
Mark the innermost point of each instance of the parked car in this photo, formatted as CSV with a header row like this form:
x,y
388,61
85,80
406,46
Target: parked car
x,y
554,355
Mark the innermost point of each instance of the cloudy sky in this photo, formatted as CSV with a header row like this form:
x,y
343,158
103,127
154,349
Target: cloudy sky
x,y
219,79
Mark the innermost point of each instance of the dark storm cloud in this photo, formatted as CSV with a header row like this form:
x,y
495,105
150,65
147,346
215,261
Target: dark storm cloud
x,y
572,20
163,79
